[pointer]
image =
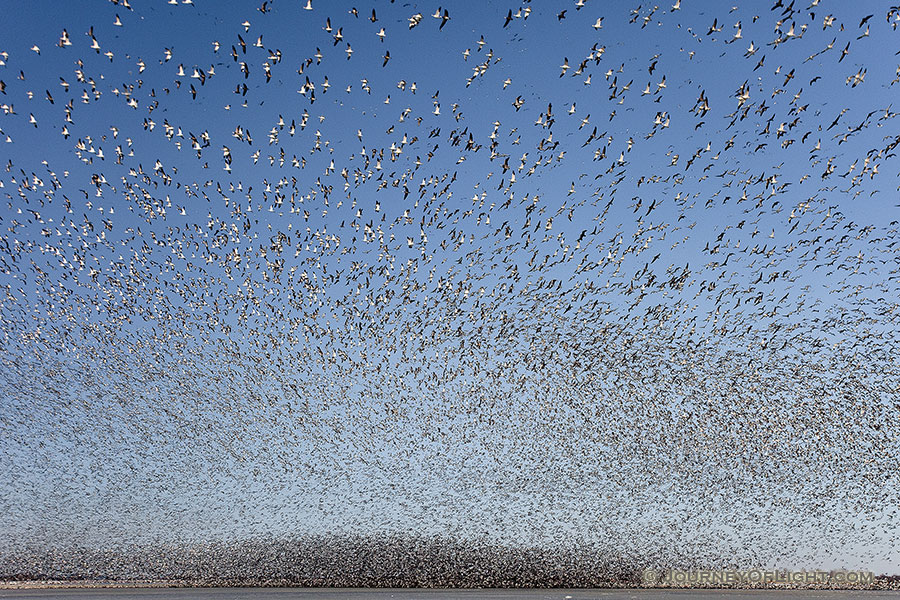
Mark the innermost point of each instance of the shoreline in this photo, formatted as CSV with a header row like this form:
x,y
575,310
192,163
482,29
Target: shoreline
x,y
890,583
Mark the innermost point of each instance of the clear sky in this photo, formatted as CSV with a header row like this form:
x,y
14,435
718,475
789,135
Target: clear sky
x,y
602,271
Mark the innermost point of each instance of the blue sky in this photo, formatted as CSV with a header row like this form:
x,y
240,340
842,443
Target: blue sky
x,y
664,319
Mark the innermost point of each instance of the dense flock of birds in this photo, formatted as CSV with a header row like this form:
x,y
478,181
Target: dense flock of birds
x,y
503,293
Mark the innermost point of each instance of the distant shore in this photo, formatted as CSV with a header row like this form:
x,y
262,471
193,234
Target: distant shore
x,y
882,583
87,584
396,562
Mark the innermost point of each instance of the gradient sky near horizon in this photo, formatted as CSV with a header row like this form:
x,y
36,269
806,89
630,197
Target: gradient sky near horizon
x,y
265,272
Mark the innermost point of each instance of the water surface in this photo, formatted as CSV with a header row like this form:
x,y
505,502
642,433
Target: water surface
x,y
419,594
